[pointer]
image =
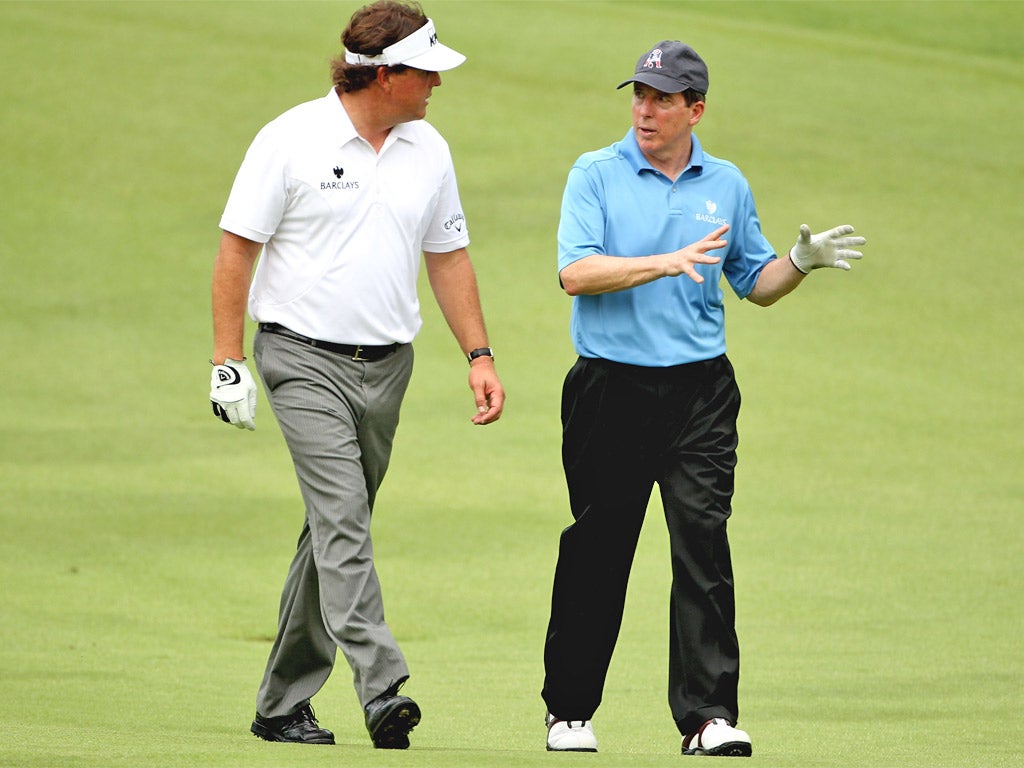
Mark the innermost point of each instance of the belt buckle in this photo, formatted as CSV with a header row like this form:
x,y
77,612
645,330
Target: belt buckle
x,y
357,355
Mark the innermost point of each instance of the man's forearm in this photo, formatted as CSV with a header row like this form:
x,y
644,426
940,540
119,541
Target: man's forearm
x,y
453,282
232,272
778,278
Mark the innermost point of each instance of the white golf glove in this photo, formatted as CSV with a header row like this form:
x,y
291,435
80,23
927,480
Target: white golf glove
x,y
826,249
233,394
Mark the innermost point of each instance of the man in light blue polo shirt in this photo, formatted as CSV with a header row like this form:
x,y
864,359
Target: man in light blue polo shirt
x,y
649,226
645,212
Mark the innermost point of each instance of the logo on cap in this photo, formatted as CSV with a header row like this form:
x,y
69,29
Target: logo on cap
x,y
653,60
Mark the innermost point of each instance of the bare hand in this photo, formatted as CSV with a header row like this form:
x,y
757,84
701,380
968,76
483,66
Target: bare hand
x,y
487,391
682,262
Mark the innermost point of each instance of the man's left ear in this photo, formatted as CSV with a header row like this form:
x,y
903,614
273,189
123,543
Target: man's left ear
x,y
697,112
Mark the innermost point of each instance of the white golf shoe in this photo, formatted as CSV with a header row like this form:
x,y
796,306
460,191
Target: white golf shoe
x,y
570,735
718,738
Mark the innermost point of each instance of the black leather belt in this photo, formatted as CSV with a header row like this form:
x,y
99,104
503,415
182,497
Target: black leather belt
x,y
361,353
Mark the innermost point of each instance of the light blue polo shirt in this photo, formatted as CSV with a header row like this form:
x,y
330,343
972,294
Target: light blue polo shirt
x,y
616,204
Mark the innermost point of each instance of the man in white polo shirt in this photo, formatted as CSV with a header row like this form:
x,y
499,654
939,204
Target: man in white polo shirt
x,y
341,196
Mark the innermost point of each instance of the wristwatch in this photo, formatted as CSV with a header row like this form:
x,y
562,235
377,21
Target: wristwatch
x,y
480,352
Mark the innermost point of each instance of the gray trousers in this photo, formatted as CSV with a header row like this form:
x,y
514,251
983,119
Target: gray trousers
x,y
338,417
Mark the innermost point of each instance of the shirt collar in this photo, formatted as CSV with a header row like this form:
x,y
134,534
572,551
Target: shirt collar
x,y
347,131
631,151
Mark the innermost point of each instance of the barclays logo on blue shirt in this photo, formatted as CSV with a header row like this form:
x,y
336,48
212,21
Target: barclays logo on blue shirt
x,y
709,217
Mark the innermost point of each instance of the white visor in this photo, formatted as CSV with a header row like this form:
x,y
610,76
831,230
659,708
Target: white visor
x,y
420,50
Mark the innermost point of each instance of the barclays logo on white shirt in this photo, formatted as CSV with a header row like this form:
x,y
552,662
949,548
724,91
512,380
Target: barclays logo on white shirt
x,y
325,185
338,172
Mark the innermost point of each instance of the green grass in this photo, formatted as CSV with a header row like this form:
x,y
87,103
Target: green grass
x,y
877,533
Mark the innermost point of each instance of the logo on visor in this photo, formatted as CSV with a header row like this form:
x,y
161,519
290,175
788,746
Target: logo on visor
x,y
653,60
433,40
338,171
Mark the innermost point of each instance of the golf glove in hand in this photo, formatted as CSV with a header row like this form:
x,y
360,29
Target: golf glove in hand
x,y
233,394
826,249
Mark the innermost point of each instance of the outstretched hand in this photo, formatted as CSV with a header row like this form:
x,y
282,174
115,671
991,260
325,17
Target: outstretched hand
x,y
826,249
683,261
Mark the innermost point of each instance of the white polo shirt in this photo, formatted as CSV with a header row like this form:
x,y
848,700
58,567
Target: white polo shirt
x,y
343,227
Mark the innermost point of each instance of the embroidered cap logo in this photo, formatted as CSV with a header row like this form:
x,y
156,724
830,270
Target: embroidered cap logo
x,y
653,60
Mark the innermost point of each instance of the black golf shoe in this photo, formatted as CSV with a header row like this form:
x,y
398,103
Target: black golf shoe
x,y
390,718
300,727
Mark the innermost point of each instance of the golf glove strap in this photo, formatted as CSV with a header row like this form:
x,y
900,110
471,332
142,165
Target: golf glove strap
x,y
233,394
826,249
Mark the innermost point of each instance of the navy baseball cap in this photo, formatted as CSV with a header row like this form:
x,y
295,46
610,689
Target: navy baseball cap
x,y
671,67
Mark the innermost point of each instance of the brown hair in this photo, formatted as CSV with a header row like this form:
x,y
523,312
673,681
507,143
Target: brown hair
x,y
690,95
370,30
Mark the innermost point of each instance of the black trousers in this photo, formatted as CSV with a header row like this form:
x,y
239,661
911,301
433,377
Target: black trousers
x,y
625,428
